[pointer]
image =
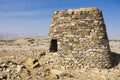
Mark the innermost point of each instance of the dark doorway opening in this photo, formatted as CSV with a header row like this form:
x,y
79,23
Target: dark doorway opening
x,y
53,45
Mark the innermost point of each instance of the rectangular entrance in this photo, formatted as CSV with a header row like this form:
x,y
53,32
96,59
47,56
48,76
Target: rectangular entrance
x,y
53,45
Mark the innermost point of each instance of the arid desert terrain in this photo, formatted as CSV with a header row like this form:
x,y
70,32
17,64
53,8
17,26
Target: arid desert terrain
x,y
27,59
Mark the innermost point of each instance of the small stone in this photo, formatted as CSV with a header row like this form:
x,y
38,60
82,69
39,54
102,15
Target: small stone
x,y
32,63
36,65
19,68
3,77
54,71
52,76
8,70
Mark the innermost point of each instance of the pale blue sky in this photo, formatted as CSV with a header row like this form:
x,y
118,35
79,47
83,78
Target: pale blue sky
x,y
34,16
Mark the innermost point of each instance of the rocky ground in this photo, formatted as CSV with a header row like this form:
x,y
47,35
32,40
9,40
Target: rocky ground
x,y
27,59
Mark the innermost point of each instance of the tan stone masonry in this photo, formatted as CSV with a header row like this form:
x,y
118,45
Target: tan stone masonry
x,y
82,33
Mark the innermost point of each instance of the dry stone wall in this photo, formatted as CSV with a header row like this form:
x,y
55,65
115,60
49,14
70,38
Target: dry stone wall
x,y
82,33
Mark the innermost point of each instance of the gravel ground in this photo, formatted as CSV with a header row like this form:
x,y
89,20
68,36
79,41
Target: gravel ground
x,y
26,59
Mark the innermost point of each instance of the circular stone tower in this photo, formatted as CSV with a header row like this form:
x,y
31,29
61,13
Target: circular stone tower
x,y
82,33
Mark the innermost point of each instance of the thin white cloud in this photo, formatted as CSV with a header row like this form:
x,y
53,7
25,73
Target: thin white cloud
x,y
16,8
12,14
24,13
22,4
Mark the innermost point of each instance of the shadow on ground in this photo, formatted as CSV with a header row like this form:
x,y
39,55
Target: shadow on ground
x,y
115,59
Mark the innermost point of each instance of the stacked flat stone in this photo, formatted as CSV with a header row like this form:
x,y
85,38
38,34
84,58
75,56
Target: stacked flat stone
x,y
82,33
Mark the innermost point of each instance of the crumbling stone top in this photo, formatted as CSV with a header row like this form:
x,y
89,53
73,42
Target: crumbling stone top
x,y
80,9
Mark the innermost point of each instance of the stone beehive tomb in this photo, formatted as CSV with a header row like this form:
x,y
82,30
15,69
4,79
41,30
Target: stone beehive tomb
x,y
82,33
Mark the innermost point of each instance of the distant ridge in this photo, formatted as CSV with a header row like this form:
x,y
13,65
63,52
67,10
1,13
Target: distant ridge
x,y
114,38
9,36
